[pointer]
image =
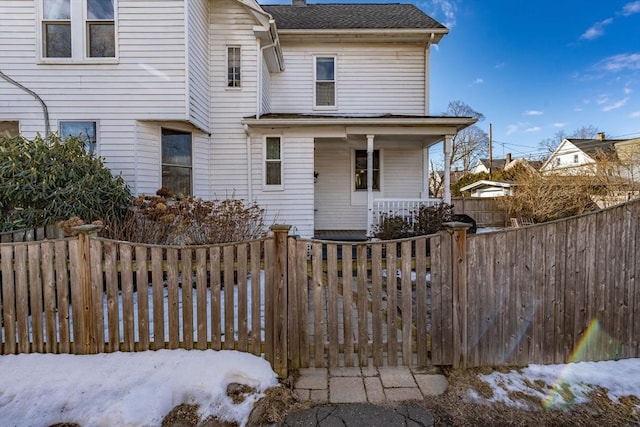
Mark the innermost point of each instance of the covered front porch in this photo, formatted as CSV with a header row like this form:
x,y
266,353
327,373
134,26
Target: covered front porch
x,y
364,167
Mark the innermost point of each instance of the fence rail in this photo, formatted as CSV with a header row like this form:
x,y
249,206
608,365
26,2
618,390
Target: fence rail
x,y
548,293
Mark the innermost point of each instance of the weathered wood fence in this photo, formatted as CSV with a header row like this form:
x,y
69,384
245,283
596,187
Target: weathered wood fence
x,y
566,290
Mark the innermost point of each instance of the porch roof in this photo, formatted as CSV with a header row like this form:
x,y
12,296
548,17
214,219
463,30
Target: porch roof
x,y
432,128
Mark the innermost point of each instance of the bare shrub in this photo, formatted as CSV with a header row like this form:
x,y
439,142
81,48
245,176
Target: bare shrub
x,y
190,221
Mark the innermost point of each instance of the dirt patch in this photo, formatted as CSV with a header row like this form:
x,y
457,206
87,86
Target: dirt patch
x,y
454,408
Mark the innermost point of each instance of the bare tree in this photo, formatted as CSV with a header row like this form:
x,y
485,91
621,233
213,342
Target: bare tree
x,y
583,132
470,143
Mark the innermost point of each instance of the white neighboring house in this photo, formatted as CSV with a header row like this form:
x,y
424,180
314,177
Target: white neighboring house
x,y
578,156
485,188
318,112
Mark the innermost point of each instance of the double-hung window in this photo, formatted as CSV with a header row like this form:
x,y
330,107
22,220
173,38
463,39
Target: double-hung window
x,y
233,66
325,82
177,169
85,131
78,29
273,162
361,170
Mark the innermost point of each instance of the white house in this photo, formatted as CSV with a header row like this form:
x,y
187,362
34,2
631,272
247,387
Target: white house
x,y
578,156
487,188
318,112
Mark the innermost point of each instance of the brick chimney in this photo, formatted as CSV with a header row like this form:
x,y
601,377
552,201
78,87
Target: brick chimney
x,y
299,3
600,136
507,159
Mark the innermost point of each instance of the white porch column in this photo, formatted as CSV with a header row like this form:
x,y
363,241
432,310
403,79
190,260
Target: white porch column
x,y
369,184
425,172
448,150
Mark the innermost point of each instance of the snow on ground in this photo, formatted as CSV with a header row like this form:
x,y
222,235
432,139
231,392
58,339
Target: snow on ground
x,y
139,389
126,389
560,386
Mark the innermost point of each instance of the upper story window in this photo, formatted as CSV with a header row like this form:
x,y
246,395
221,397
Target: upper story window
x,y
233,66
273,161
85,131
325,81
575,158
78,29
361,170
177,167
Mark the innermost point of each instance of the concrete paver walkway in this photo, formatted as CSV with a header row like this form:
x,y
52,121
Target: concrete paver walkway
x,y
367,385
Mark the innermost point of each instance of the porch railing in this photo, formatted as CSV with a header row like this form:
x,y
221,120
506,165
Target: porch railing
x,y
398,207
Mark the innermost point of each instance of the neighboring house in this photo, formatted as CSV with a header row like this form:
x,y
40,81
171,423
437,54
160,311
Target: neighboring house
x,y
507,163
579,156
318,112
485,188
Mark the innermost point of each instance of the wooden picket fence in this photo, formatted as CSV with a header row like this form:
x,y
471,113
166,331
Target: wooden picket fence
x,y
547,293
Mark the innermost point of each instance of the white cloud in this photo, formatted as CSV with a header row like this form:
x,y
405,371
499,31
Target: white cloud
x,y
635,115
631,8
603,99
442,8
615,105
596,30
533,129
630,61
559,125
511,129
477,81
627,90
578,109
500,65
533,113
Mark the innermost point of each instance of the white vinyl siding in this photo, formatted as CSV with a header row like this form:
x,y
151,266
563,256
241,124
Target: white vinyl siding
x,y
370,79
265,96
198,63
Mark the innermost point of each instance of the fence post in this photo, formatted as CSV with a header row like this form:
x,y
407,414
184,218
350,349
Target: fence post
x,y
458,232
87,344
280,309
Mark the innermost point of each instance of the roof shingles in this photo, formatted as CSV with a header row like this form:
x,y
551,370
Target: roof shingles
x,y
336,16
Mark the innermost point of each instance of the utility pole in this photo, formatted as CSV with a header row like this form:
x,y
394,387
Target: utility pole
x,y
490,149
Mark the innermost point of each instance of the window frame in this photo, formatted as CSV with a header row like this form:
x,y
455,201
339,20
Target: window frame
x,y
265,185
91,149
353,171
230,82
334,81
163,164
80,38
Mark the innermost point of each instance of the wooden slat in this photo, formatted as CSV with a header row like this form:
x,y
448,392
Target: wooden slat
x,y
560,232
376,306
332,303
421,301
523,303
392,293
293,303
8,299
49,297
477,318
126,274
537,241
407,320
303,299
363,312
75,295
214,274
113,310
436,300
634,274
269,322
590,262
621,304
35,298
242,297
173,291
318,326
142,290
229,315
201,295
256,298
502,282
97,293
187,297
158,298
570,338
549,286
347,303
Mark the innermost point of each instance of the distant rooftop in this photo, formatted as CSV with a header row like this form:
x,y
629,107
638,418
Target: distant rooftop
x,y
333,16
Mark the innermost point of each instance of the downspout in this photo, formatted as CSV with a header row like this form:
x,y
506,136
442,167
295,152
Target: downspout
x,y
45,111
249,165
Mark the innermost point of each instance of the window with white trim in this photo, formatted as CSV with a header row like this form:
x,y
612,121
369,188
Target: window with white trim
x,y
325,81
360,168
273,161
575,158
177,166
233,66
78,29
83,130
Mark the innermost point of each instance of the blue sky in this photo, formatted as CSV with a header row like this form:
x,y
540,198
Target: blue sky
x,y
536,67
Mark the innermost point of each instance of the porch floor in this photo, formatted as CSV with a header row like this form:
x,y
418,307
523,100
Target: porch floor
x,y
341,235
